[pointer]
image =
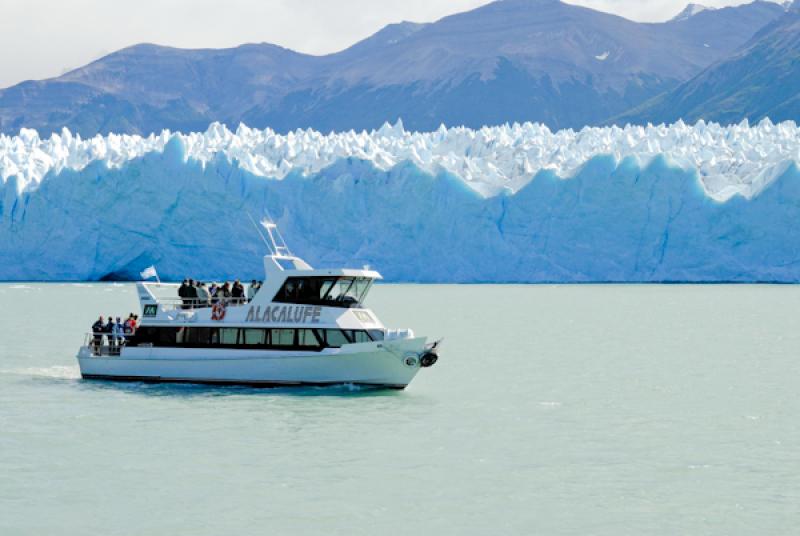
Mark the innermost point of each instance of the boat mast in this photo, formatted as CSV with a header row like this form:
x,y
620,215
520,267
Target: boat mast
x,y
278,244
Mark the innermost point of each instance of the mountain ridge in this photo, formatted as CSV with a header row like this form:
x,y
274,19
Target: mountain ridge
x,y
511,60
760,80
690,11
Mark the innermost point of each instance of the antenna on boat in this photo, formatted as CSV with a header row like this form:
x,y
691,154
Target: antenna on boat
x,y
276,244
263,238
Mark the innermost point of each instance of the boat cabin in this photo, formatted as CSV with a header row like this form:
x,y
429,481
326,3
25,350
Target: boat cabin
x,y
297,307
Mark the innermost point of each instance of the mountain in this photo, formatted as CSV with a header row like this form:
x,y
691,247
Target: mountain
x,y
761,80
690,11
512,60
146,88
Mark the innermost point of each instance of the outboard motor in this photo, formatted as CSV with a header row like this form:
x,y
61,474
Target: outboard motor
x,y
428,359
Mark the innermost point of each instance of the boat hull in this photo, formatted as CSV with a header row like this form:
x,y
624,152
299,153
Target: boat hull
x,y
373,364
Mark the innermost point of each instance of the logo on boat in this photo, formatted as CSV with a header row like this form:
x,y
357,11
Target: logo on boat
x,y
300,314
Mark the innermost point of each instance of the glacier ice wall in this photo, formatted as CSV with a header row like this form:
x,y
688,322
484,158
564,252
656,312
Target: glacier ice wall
x,y
512,203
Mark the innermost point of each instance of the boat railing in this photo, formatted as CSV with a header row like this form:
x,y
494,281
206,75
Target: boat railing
x,y
105,344
188,304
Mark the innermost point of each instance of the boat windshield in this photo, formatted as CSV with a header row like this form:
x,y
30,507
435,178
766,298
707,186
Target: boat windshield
x,y
328,291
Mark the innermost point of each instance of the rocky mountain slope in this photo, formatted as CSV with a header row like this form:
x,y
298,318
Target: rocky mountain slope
x,y
512,60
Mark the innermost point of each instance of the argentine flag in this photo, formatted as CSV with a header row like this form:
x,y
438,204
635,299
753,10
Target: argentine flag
x,y
149,272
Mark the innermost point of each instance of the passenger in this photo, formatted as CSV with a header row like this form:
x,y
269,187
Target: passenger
x,y
118,332
97,335
135,323
224,293
129,326
251,290
202,295
191,293
290,291
212,293
237,292
183,293
109,332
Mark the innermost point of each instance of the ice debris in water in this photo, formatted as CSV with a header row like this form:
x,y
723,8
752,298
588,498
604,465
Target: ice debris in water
x,y
730,160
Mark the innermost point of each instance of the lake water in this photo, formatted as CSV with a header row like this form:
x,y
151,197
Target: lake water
x,y
600,410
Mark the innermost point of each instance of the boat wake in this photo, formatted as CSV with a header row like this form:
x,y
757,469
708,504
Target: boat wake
x,y
71,373
54,372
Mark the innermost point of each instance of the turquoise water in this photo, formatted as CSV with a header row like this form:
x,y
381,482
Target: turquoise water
x,y
554,410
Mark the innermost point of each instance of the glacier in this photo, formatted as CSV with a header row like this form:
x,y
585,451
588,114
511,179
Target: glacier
x,y
509,203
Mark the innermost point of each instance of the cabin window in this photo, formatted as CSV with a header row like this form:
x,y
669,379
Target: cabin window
x,y
282,337
341,289
333,338
254,337
359,336
328,291
199,337
146,335
325,287
306,338
206,337
167,336
360,288
228,336
376,334
348,291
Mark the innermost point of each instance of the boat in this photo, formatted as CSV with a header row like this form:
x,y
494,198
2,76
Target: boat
x,y
303,327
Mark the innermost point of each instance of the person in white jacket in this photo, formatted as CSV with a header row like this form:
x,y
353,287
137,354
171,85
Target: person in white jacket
x,y
203,295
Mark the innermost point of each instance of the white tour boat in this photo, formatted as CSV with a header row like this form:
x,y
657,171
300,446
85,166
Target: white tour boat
x,y
302,327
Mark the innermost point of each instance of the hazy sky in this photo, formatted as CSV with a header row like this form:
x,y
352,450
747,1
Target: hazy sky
x,y
43,38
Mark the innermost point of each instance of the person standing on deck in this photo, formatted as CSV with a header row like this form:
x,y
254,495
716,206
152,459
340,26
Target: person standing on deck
x,y
212,292
191,293
237,292
97,334
183,293
251,290
202,295
128,326
118,332
109,332
223,293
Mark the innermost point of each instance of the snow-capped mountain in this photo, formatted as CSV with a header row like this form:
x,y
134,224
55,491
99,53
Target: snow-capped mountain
x,y
690,11
512,60
511,203
761,80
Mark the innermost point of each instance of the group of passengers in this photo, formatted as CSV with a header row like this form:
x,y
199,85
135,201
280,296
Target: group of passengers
x,y
195,294
116,332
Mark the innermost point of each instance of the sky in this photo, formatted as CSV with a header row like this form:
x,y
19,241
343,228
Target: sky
x,y
45,38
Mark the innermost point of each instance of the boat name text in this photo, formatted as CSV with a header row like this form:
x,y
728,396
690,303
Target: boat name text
x,y
300,314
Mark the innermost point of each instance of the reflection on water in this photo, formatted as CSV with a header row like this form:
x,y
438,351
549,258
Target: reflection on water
x,y
71,374
189,389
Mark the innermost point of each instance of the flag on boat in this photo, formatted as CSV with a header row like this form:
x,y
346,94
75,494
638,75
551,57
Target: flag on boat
x,y
149,272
